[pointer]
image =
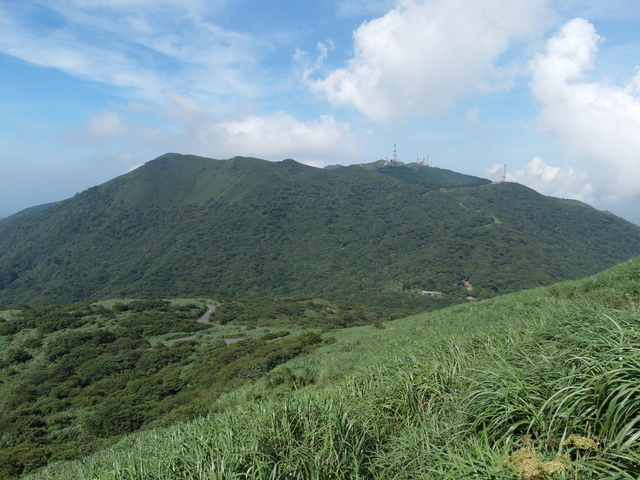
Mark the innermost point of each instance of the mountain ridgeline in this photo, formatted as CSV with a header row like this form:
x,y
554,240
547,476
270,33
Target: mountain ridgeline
x,y
377,234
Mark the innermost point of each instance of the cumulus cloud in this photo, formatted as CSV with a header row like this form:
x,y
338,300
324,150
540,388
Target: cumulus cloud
x,y
563,182
183,124
317,142
596,121
280,135
423,55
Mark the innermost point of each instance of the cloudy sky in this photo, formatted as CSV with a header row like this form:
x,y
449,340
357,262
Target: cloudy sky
x,y
90,89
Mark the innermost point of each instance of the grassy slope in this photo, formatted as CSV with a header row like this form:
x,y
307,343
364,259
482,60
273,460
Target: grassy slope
x,y
542,383
76,377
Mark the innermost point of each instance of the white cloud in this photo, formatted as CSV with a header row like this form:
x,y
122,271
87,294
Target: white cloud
x,y
597,122
563,182
98,129
195,129
182,124
422,56
138,46
318,142
309,66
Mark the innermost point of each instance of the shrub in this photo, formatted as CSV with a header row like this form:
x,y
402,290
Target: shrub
x,y
115,418
22,459
17,355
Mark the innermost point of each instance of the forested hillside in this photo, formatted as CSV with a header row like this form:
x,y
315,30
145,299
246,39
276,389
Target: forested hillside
x,y
378,234
75,377
27,212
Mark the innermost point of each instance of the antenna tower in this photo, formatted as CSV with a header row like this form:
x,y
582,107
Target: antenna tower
x,y
394,159
503,178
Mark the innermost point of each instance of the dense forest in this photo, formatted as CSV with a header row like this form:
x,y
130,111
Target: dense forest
x,y
374,234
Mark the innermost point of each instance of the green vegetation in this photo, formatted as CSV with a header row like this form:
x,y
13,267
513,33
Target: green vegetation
x,y
534,385
75,377
371,234
27,212
299,312
275,381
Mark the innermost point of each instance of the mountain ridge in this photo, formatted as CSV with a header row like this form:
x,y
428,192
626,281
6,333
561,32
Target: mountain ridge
x,y
188,225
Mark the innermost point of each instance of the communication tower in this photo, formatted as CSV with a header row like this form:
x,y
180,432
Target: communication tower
x,y
394,159
503,178
422,161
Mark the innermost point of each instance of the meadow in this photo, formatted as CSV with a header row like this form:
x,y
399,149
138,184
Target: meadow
x,y
543,383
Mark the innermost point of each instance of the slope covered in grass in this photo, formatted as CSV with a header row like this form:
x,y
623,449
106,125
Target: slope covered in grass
x,y
539,384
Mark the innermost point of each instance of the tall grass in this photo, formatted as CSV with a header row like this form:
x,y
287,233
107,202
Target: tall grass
x,y
542,384
581,382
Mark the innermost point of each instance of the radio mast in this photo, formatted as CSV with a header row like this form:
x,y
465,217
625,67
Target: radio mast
x,y
394,159
503,178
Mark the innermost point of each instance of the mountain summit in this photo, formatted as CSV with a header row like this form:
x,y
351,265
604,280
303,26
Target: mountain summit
x,y
378,233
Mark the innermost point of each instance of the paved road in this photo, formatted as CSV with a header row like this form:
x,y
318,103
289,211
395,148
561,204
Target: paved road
x,y
205,318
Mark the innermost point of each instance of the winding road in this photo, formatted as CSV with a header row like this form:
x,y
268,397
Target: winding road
x,y
205,318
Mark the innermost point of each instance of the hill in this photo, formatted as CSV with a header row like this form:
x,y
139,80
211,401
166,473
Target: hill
x,y
27,212
75,377
376,234
537,384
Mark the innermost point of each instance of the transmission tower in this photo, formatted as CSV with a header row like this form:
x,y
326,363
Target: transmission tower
x,y
394,159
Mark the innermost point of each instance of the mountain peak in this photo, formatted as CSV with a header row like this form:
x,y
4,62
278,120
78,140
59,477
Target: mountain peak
x,y
189,225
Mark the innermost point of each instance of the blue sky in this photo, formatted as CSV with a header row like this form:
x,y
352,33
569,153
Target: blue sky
x,y
91,89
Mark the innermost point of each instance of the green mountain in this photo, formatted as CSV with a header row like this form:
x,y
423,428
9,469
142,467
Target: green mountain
x,y
540,384
27,212
377,234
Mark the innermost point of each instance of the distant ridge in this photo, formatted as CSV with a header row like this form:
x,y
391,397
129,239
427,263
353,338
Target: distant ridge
x,y
27,212
375,233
